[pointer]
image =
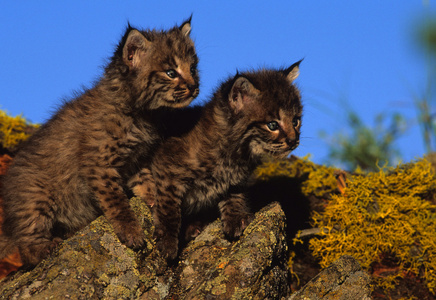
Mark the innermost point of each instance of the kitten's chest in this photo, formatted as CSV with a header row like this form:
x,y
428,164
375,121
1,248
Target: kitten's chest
x,y
137,144
124,141
143,134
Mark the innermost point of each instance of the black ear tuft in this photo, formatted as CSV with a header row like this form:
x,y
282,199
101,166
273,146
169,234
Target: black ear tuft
x,y
293,71
185,28
129,27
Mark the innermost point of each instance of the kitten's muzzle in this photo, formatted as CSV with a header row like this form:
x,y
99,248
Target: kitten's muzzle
x,y
192,88
292,143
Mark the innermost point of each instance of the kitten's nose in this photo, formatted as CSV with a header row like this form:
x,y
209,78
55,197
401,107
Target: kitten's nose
x,y
192,87
291,142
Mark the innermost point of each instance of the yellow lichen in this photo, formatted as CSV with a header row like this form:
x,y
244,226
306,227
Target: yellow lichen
x,y
316,180
383,214
321,181
294,275
13,130
378,215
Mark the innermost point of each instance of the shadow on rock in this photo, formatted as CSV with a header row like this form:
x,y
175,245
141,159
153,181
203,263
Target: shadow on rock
x,y
286,191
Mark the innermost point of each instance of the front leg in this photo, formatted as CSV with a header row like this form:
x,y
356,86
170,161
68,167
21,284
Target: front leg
x,y
143,186
167,218
235,215
106,184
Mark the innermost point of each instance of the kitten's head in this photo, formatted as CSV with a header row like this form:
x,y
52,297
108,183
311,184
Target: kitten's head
x,y
268,105
160,66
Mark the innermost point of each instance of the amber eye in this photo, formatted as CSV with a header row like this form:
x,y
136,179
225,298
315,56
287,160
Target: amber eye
x,y
171,73
273,126
296,122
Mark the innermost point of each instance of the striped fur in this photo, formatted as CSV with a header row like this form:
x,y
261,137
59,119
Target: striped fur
x,y
75,166
251,116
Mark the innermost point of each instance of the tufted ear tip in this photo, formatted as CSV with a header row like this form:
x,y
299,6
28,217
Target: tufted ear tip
x,y
185,28
293,71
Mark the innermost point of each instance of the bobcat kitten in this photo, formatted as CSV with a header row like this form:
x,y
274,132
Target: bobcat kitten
x,y
74,167
251,116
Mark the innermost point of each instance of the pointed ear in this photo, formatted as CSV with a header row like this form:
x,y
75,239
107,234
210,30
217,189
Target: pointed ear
x,y
293,71
185,28
242,94
135,42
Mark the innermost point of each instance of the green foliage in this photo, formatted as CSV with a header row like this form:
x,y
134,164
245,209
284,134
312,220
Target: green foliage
x,y
427,35
384,213
366,147
423,103
13,130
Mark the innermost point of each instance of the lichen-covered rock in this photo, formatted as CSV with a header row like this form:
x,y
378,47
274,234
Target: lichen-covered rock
x,y
254,267
93,264
343,280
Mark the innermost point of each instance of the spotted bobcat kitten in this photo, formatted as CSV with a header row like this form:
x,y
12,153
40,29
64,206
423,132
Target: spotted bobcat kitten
x,y
74,167
251,116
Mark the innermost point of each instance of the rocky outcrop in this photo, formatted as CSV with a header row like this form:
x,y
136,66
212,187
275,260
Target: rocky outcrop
x,y
254,267
93,264
343,280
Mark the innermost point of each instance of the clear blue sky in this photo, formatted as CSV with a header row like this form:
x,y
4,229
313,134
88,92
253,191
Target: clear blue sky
x,y
362,51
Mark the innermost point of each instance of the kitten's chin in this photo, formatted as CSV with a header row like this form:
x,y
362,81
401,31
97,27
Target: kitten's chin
x,y
282,155
267,154
179,103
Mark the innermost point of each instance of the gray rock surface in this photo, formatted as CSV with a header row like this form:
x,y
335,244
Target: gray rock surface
x,y
343,280
93,264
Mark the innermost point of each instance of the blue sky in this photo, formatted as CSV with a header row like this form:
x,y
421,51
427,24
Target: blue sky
x,y
362,52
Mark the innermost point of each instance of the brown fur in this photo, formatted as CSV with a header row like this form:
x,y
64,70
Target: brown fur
x,y
75,166
210,165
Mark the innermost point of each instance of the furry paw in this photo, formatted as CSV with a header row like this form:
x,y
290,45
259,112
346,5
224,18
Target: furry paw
x,y
193,230
168,247
131,235
166,244
234,227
